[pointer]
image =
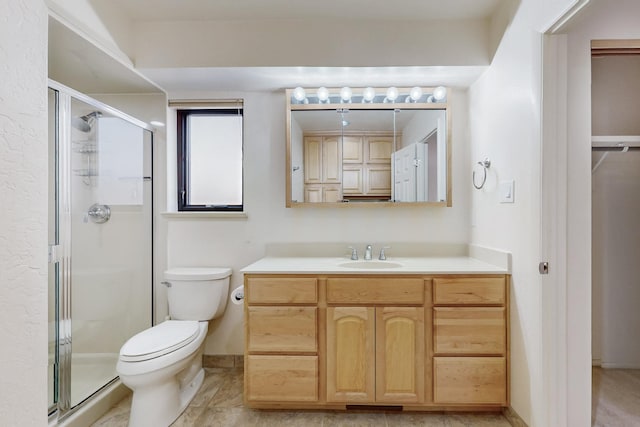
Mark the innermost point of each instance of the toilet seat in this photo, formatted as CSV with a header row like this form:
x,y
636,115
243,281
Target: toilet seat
x,y
159,340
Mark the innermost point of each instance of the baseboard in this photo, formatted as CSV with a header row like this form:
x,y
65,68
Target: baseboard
x,y
97,406
223,361
514,419
607,365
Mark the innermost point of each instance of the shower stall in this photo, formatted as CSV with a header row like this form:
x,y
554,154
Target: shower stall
x,y
100,243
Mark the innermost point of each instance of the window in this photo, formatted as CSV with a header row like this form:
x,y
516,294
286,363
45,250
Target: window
x,y
210,159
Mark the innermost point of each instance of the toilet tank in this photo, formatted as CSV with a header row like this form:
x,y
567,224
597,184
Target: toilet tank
x,y
197,293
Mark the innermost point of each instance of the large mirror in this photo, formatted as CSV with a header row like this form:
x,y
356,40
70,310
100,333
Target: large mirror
x,y
367,149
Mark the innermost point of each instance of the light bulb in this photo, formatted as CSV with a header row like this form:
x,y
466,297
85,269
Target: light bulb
x,y
299,94
440,93
392,93
345,94
323,94
368,94
416,93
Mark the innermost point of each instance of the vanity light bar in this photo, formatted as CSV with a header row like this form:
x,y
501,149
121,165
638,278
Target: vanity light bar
x,y
367,95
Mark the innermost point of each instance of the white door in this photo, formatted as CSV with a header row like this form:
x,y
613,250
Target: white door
x,y
421,170
404,178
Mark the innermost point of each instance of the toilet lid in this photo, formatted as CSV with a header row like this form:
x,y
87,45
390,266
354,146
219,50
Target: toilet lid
x,y
162,339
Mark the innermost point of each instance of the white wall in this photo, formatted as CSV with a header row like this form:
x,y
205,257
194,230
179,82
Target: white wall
x,y
615,94
239,242
504,107
311,43
615,90
105,26
23,217
423,123
616,245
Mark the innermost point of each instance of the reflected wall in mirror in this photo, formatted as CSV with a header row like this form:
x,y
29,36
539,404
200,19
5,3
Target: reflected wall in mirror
x,y
359,150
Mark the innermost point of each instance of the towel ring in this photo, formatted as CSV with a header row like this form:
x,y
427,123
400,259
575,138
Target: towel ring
x,y
486,164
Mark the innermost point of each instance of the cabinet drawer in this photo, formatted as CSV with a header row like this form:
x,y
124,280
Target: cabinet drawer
x,y
470,380
469,330
281,290
282,329
469,290
282,378
375,290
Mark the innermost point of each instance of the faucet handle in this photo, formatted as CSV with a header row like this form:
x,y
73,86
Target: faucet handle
x,y
354,253
382,256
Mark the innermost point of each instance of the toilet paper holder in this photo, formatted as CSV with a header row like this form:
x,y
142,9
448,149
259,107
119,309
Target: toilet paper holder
x,y
237,295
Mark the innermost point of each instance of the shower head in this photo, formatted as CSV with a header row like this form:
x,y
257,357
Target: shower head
x,y
84,123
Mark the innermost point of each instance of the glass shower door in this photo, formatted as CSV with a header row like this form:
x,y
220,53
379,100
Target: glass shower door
x,y
100,243
110,241
53,275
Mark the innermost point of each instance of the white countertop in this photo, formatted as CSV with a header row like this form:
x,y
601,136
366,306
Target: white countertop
x,y
407,265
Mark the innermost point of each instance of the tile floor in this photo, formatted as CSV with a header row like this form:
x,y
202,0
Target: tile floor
x,y
615,399
219,403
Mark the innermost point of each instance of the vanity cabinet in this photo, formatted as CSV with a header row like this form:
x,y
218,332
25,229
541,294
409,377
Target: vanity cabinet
x,y
422,342
375,352
470,341
281,340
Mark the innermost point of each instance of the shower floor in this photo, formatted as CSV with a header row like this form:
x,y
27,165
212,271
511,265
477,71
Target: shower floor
x,y
89,372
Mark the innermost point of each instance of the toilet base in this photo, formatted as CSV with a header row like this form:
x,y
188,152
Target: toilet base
x,y
161,404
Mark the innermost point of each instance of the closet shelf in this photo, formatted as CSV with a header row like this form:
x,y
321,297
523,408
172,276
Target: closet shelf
x,y
615,140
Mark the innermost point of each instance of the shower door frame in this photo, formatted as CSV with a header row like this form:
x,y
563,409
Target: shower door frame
x,y
61,252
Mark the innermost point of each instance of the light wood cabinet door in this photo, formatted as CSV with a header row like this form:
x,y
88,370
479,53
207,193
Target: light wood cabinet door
x,y
281,378
313,160
331,160
469,290
281,290
352,149
378,180
283,329
375,290
470,380
352,182
469,330
400,354
350,354
379,149
313,193
331,193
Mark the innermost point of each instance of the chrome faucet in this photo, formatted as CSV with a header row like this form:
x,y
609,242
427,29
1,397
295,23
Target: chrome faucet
x,y
367,253
354,253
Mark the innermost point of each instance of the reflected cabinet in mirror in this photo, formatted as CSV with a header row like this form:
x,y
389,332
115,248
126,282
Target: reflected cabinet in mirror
x,y
384,146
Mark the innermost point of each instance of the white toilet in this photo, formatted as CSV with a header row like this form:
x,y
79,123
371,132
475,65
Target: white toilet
x,y
163,364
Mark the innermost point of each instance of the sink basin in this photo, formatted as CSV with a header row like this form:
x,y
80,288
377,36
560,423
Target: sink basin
x,y
373,265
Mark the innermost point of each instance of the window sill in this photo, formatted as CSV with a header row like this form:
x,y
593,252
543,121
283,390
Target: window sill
x,y
204,215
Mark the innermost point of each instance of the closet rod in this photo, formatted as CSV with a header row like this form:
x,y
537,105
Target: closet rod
x,y
617,149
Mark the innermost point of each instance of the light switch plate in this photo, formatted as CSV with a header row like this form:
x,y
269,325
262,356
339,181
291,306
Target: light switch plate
x,y
506,191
